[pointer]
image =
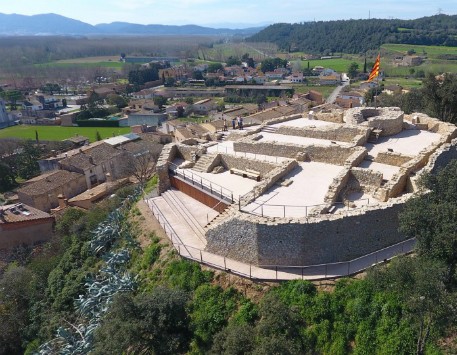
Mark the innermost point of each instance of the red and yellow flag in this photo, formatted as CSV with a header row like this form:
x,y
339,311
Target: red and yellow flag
x,y
375,71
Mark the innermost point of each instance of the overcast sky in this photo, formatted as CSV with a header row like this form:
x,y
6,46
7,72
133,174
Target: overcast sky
x,y
212,12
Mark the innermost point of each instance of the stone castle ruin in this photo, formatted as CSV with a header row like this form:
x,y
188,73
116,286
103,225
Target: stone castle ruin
x,y
307,189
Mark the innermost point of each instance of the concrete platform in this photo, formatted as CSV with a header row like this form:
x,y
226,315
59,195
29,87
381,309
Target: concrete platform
x,y
227,148
387,170
310,183
408,142
304,122
235,183
305,141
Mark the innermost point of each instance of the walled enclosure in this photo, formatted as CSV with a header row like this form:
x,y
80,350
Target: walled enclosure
x,y
322,237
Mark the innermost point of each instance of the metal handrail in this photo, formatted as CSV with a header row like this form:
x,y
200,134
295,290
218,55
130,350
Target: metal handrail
x,y
261,205
214,188
214,208
160,214
279,268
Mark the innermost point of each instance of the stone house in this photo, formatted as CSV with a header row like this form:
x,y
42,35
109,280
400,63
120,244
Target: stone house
x,y
22,224
145,117
95,162
334,79
42,192
203,107
32,105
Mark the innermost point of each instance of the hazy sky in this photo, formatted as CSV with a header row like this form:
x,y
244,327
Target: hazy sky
x,y
211,12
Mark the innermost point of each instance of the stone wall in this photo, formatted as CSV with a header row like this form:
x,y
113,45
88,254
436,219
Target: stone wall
x,y
434,125
365,180
231,161
391,158
189,152
334,154
27,232
168,153
335,188
389,119
269,180
333,133
267,241
335,116
283,119
442,157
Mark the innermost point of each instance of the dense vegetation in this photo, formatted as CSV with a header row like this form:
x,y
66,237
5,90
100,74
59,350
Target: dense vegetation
x,y
436,97
404,307
358,36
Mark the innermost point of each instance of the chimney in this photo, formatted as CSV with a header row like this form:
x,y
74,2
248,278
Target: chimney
x,y
63,202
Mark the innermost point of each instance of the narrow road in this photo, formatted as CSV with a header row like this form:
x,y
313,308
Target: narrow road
x,y
332,97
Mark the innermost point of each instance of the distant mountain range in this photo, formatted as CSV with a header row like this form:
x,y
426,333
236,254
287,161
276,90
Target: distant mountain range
x,y
52,24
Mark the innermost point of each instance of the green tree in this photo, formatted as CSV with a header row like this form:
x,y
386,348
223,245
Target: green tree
x,y
270,64
427,303
441,97
98,137
233,61
155,322
432,218
7,178
211,308
12,96
117,100
28,160
17,292
214,67
197,75
353,70
234,340
160,101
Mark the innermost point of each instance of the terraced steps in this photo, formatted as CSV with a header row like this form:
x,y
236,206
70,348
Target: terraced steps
x,y
204,163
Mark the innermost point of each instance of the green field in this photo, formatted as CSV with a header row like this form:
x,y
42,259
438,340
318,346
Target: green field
x,y
429,51
87,62
405,83
58,133
340,65
433,64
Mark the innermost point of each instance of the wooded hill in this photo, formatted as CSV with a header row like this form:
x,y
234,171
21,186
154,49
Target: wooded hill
x,y
356,36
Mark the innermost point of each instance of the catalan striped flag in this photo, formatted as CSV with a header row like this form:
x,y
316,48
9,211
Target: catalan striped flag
x,y
375,71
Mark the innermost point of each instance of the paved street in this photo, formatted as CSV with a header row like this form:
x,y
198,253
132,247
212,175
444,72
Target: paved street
x,y
331,99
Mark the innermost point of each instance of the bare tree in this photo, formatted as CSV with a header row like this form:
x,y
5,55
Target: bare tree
x,y
140,160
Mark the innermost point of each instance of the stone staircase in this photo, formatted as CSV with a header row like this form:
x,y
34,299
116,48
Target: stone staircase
x,y
269,129
374,135
230,210
183,212
204,163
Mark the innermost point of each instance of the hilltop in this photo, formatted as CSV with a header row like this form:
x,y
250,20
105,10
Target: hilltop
x,y
356,36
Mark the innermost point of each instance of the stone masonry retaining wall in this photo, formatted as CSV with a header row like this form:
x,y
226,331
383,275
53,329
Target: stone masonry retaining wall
x,y
335,116
334,154
269,180
265,242
332,133
391,158
168,153
230,161
364,180
389,119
